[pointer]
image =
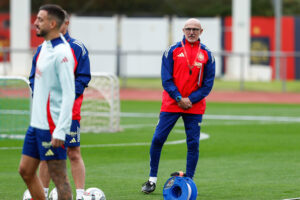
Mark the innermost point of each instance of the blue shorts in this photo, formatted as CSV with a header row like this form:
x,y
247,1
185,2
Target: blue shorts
x,y
73,138
37,144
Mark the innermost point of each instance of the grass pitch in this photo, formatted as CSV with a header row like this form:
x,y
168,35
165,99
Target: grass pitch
x,y
252,154
220,85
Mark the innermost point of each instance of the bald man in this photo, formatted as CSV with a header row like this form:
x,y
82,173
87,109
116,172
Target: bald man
x,y
187,73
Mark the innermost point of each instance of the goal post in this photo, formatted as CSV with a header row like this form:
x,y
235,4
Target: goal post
x,y
15,103
100,111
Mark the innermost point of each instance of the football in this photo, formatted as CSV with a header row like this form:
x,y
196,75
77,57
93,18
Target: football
x,y
27,195
53,195
93,194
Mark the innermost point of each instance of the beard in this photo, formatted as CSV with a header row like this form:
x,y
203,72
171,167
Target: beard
x,y
42,33
191,39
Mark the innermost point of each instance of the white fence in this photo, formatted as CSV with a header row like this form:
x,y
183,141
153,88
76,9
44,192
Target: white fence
x,y
130,47
133,46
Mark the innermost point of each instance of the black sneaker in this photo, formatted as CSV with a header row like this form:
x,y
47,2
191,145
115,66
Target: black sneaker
x,y
148,187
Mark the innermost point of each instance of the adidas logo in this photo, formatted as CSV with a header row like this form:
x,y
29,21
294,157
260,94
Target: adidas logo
x,y
65,59
180,55
49,153
73,140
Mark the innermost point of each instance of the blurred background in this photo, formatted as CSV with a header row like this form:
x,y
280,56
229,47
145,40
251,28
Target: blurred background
x,y
255,43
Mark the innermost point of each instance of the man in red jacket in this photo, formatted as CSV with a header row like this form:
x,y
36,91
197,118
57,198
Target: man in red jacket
x,y
187,73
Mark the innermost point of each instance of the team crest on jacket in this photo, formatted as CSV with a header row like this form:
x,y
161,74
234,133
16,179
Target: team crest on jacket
x,y
201,56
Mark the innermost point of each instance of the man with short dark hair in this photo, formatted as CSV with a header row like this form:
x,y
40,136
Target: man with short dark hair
x,y
188,71
53,98
82,77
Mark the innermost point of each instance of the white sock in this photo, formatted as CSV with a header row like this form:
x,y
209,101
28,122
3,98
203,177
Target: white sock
x,y
46,190
79,193
153,179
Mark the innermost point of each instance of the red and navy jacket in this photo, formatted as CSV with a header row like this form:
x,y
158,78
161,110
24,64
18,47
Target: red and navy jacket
x,y
179,80
82,72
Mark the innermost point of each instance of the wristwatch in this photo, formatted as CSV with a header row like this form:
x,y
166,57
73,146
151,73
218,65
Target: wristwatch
x,y
178,98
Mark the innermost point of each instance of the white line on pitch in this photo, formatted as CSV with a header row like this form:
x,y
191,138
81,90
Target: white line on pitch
x,y
207,116
203,136
12,136
224,117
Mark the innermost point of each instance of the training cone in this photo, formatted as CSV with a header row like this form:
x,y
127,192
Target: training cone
x,y
180,188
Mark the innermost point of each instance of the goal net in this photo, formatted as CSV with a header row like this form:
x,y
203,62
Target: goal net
x,y
15,104
100,109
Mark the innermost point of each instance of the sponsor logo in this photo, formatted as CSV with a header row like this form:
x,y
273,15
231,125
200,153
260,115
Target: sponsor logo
x,y
170,183
72,133
198,64
46,145
49,153
65,59
180,55
73,140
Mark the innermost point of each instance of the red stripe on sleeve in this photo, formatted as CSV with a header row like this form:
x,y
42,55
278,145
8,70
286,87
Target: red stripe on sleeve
x,y
75,60
49,117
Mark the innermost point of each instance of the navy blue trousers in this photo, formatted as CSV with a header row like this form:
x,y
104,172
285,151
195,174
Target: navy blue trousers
x,y
167,120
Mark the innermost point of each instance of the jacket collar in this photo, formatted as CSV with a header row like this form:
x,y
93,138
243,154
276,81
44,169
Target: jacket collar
x,y
54,42
67,36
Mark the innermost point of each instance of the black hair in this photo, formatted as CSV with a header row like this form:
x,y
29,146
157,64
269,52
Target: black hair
x,y
55,11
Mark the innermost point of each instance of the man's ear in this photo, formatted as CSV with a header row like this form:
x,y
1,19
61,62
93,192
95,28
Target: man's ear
x,y
53,24
201,30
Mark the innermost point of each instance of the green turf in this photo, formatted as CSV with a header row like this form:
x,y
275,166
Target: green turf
x,y
242,160
220,85
17,123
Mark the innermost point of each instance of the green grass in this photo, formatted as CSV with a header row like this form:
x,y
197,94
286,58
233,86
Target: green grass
x,y
219,85
242,160
18,123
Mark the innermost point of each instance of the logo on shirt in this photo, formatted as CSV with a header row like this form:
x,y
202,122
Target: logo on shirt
x,y
38,73
65,59
201,56
180,55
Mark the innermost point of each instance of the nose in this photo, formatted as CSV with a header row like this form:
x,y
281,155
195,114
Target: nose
x,y
35,22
